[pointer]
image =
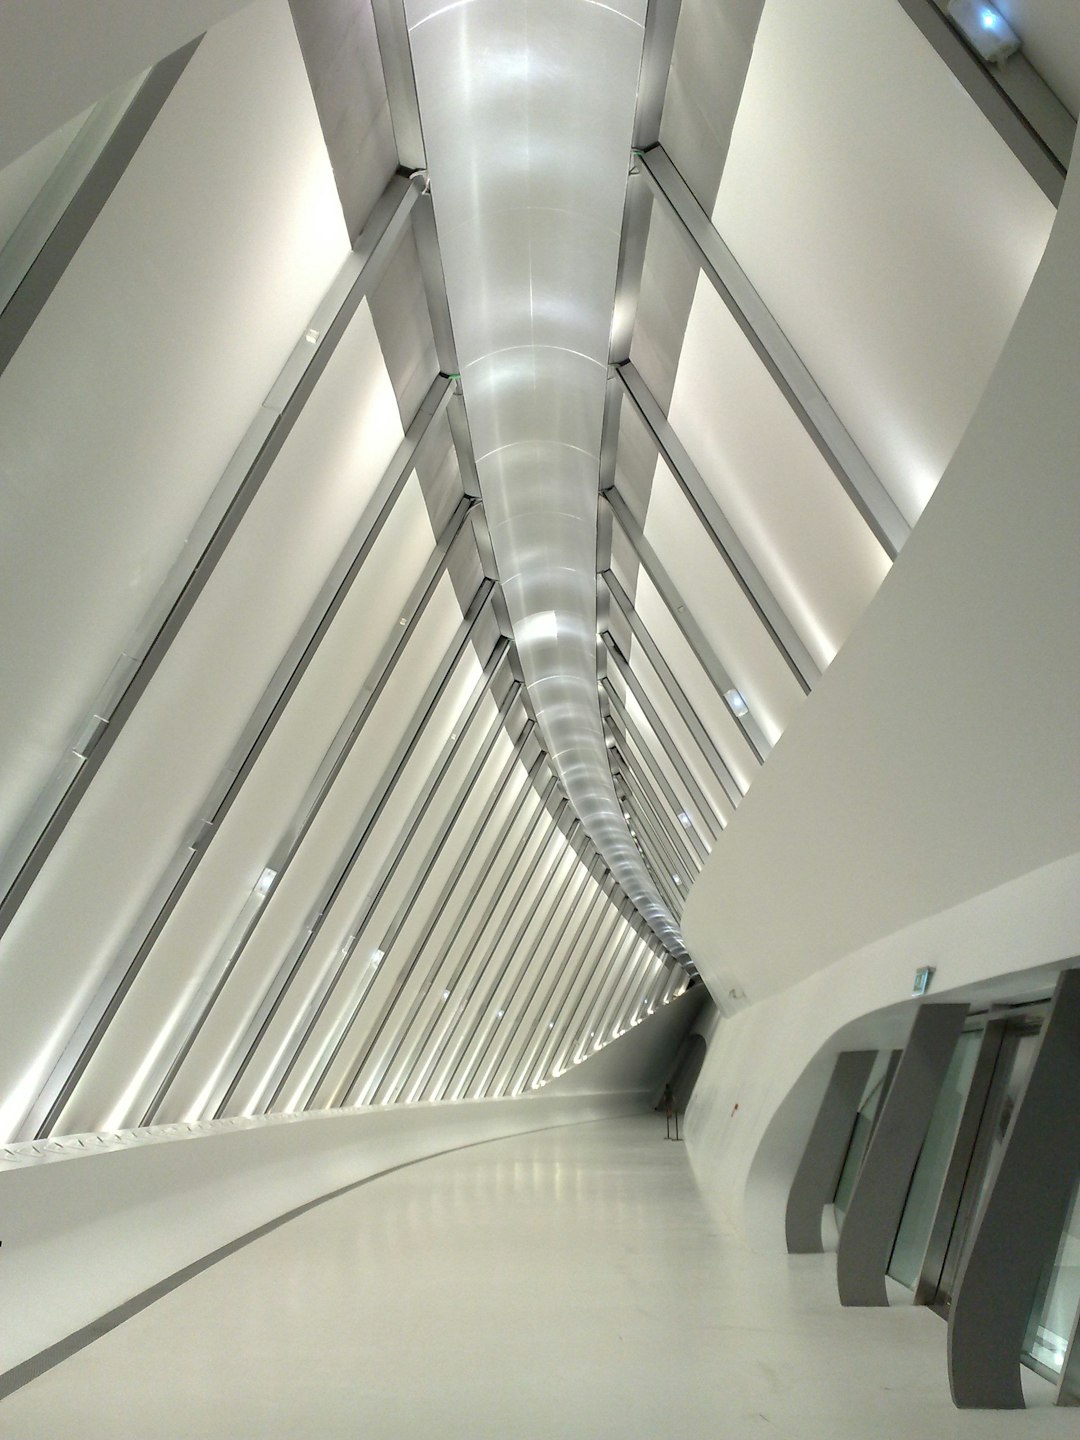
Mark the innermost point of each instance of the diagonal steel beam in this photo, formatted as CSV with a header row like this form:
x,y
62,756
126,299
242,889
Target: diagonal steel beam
x,y
683,841
776,352
343,748
748,726
716,673
259,449
719,529
1013,96
275,993
727,781
697,797
133,954
663,791
48,266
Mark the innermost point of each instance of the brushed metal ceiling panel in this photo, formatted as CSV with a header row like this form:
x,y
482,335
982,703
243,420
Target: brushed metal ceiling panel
x,y
528,160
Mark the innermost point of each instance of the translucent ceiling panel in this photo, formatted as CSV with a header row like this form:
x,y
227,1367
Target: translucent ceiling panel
x,y
720,608
814,551
145,368
528,161
111,1092
884,222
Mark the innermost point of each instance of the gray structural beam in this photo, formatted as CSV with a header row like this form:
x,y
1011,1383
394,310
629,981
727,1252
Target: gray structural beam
x,y
274,993
663,795
203,1003
721,532
44,273
629,738
1013,96
392,31
715,671
259,450
1022,1218
746,723
802,392
815,1180
133,954
727,781
877,1202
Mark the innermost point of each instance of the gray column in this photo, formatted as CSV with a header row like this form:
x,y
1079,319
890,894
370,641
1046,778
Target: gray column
x,y
1022,1218
819,1169
877,1202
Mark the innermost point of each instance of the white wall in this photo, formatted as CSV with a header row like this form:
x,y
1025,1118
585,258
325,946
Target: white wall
x,y
921,808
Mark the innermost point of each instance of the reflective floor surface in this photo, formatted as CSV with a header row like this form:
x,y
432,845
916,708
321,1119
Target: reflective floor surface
x,y
570,1283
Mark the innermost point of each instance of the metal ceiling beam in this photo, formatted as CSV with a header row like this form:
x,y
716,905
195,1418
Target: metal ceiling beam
x,y
747,725
666,793
471,1059
633,736
511,1057
136,949
553,848
683,840
680,612
729,547
343,748
775,351
242,481
392,33
360,1089
437,910
633,684
435,782
48,266
662,859
1013,96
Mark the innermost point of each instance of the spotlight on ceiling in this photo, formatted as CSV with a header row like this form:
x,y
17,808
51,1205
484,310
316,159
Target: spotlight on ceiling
x,y
985,30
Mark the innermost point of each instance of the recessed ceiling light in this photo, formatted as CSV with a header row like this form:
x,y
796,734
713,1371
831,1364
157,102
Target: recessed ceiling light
x,y
736,703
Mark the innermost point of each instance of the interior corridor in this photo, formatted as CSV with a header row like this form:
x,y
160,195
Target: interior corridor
x,y
566,1283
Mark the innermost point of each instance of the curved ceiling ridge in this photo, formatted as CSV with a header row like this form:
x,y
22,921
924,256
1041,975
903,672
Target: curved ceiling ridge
x,y
519,141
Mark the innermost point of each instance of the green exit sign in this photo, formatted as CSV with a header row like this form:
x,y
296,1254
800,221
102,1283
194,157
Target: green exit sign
x,y
922,980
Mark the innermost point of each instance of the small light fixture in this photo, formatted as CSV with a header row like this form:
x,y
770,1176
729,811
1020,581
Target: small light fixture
x,y
676,879
446,994
736,704
266,879
376,956
312,336
985,30
685,819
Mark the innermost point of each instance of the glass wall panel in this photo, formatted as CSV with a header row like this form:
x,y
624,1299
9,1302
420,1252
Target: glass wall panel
x,y
922,1201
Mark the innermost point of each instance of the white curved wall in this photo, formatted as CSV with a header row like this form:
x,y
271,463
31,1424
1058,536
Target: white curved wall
x,y
921,808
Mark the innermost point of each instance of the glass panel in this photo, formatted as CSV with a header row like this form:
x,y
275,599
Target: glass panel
x,y
860,1136
1059,1298
922,1200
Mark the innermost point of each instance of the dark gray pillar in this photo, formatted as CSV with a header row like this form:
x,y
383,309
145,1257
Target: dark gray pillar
x,y
877,1202
1022,1218
819,1169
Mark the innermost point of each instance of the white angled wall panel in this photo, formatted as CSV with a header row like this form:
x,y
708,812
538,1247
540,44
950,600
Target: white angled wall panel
x,y
112,1092
731,626
885,223
811,546
123,405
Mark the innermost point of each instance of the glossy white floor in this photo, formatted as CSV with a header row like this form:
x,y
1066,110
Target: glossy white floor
x,y
569,1283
